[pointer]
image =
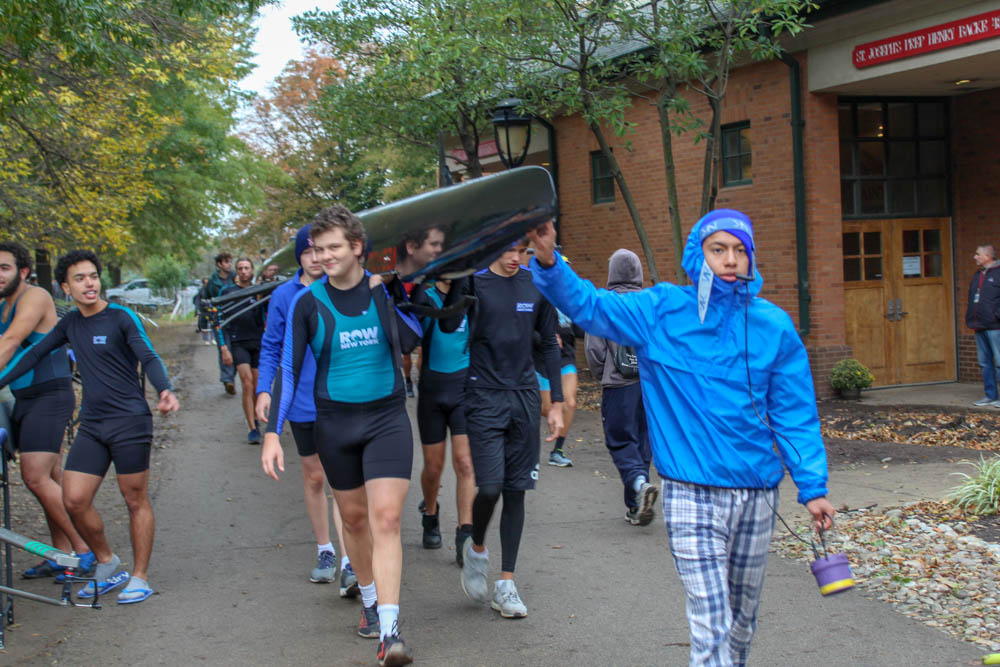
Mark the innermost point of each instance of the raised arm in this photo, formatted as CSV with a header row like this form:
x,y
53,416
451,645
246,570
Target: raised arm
x,y
32,308
625,318
27,359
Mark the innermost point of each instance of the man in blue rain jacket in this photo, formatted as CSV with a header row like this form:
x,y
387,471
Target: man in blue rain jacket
x,y
717,403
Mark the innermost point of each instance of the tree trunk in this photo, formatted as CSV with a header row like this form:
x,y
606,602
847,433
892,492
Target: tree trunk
x,y
640,229
710,177
667,94
43,270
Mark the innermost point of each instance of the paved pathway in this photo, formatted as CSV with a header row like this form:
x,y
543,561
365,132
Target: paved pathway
x,y
234,549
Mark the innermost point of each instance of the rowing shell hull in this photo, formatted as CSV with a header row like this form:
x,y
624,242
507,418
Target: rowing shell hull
x,y
480,218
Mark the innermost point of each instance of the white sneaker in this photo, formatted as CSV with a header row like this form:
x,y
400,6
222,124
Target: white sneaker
x,y
474,568
996,404
507,601
984,401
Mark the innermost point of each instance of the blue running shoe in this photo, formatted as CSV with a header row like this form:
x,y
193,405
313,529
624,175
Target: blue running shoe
x,y
558,459
253,437
325,568
349,587
369,627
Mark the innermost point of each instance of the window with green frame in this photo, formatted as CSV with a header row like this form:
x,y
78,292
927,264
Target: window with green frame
x,y
601,180
737,162
894,158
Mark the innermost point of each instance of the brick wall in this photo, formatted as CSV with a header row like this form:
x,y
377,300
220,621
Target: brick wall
x,y
975,150
760,94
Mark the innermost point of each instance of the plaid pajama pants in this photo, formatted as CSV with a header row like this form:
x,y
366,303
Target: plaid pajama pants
x,y
719,540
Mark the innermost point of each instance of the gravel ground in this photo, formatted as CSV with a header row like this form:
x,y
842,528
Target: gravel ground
x,y
932,570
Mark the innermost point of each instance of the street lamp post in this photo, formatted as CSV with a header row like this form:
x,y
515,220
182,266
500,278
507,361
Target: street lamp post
x,y
512,132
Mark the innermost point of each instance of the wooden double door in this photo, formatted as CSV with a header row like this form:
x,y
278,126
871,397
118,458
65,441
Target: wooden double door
x,y
899,298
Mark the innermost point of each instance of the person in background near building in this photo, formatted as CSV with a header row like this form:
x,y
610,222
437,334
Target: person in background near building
x,y
302,416
622,413
441,408
414,252
239,342
222,278
44,403
983,316
727,415
357,334
115,423
502,410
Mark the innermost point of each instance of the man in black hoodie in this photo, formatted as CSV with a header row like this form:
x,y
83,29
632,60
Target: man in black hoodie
x,y
622,411
983,316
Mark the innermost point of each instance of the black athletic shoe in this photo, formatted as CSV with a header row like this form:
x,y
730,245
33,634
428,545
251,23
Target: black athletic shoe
x,y
461,533
409,388
432,531
230,388
369,626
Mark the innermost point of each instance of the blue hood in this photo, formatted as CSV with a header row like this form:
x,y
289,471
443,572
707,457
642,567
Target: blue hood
x,y
709,288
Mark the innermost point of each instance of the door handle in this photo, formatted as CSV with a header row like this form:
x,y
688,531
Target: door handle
x,y
891,315
899,310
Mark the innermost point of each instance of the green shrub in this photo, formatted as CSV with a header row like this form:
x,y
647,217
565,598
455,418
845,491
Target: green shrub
x,y
979,493
165,272
850,374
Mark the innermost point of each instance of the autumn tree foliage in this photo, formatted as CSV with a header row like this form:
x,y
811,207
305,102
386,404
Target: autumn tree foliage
x,y
91,93
321,159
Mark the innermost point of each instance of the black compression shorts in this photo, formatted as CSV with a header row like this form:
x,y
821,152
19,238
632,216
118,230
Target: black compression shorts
x,y
245,352
358,442
40,416
126,441
503,436
440,409
304,434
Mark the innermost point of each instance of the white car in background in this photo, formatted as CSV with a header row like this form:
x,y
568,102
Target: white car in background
x,y
133,290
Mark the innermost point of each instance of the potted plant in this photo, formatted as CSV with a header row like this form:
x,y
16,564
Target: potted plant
x,y
849,377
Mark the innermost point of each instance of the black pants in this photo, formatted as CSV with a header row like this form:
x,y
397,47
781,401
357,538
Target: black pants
x,y
626,434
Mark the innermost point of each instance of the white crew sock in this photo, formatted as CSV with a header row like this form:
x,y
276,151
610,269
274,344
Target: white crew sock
x,y
388,614
344,562
320,548
639,481
368,595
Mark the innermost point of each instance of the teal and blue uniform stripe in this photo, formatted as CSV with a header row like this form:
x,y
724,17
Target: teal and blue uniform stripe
x,y
53,366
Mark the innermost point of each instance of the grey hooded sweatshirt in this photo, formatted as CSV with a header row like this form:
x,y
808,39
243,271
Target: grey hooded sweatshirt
x,y
624,275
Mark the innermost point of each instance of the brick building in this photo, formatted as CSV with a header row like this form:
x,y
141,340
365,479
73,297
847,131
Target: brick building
x,y
900,118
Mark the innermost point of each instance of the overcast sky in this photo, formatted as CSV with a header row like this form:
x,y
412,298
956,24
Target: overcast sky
x,y
277,42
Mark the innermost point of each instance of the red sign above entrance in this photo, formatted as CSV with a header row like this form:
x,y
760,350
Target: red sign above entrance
x,y
934,38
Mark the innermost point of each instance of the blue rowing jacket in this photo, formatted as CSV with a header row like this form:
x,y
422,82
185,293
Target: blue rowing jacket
x,y
702,427
109,346
52,366
302,407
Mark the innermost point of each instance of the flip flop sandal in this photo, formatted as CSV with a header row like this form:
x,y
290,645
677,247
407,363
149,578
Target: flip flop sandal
x,y
134,595
109,584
